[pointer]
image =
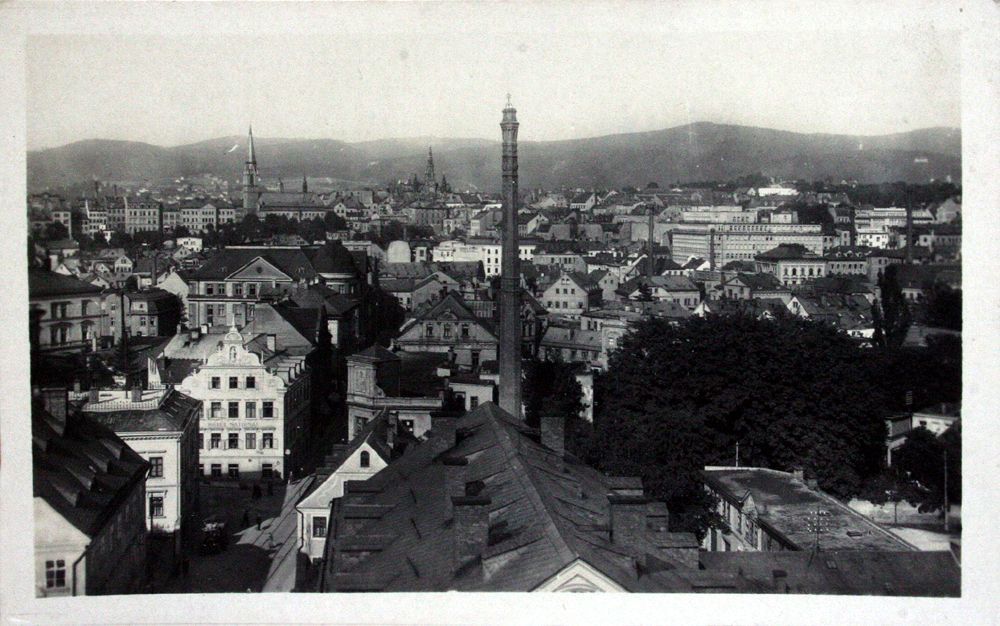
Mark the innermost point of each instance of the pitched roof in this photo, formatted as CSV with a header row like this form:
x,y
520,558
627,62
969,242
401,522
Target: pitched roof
x,y
82,469
872,573
291,261
45,284
788,251
547,512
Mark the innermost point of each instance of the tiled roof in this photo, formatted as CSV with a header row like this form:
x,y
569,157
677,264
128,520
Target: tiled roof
x,y
397,532
863,572
45,284
291,261
82,469
788,251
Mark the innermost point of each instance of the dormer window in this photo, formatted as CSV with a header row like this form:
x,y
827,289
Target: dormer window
x,y
366,460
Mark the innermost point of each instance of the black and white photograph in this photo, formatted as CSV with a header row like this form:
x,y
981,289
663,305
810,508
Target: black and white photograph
x,y
323,303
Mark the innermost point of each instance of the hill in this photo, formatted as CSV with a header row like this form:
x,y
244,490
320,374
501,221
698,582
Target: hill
x,y
695,152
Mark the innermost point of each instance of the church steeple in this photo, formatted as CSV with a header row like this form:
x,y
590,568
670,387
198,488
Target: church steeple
x,y
305,185
250,177
429,178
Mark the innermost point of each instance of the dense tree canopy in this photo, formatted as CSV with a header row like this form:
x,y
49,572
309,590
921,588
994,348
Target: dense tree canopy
x,y
921,459
794,394
550,388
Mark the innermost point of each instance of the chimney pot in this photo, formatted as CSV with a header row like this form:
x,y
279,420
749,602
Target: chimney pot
x,y
553,431
799,475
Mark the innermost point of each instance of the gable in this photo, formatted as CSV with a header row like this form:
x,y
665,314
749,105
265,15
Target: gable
x,y
579,577
349,469
259,269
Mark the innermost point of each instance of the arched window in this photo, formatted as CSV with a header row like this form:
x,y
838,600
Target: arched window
x,y
232,353
366,459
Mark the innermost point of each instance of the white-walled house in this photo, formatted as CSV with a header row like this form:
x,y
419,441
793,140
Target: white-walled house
x,y
359,460
161,425
255,401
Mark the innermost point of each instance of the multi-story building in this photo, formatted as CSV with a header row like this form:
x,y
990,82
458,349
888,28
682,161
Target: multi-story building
x,y
89,504
225,289
255,401
148,313
725,242
373,386
451,327
143,215
571,294
161,425
66,313
791,264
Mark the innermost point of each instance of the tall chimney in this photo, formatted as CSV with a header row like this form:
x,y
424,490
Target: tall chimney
x,y
553,430
650,269
510,293
909,232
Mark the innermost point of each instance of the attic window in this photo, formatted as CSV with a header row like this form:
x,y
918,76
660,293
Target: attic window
x,y
260,270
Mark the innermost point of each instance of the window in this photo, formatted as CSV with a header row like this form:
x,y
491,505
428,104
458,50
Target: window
x,y
447,331
216,410
473,402
268,409
234,382
266,470
251,382
267,441
251,441
407,425
234,441
216,382
55,574
238,290
250,410
465,331
252,289
366,459
216,441
234,470
156,506
210,289
430,330
217,470
319,527
156,467
201,441
234,409
201,469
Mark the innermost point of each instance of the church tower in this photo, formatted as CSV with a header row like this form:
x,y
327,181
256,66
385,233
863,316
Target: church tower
x,y
510,273
250,178
429,180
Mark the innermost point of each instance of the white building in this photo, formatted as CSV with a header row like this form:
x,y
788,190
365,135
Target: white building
x,y
161,425
255,401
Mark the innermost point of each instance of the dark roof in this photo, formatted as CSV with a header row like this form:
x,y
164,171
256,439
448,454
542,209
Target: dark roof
x,y
82,469
45,284
759,282
316,296
333,258
788,251
874,573
173,414
546,511
291,261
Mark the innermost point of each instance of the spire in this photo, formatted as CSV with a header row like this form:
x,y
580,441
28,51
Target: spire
x,y
429,177
251,155
305,185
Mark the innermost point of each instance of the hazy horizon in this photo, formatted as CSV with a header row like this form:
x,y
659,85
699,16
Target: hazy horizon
x,y
171,91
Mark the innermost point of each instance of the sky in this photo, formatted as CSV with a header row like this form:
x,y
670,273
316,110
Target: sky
x,y
358,86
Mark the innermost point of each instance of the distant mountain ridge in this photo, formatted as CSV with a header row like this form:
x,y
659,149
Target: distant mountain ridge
x,y
694,152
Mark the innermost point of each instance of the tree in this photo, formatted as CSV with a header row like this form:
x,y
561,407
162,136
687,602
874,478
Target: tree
x,y
795,394
333,222
652,185
55,230
181,231
550,388
645,293
944,307
895,310
922,459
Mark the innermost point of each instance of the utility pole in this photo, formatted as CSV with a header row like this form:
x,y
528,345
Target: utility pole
x,y
737,454
945,491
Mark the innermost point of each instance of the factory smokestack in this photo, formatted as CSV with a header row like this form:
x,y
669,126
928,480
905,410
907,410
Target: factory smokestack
x,y
510,274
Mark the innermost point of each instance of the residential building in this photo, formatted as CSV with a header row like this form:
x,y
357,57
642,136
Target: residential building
x,y
66,312
679,290
451,327
374,385
89,504
255,401
571,294
148,313
792,264
162,426
769,510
